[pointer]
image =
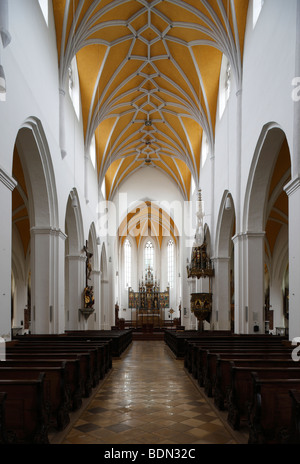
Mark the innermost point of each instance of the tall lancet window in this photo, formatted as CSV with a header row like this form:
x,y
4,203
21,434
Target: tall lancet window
x,y
171,263
149,255
127,263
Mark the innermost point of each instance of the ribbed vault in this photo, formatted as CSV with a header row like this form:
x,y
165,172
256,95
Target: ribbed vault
x,y
149,78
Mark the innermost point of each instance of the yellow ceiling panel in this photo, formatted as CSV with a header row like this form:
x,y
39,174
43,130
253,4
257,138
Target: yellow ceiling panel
x,y
17,171
102,138
283,165
59,11
89,61
121,10
17,201
156,65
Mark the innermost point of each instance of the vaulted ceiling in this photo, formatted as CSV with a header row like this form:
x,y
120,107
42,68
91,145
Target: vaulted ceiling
x,y
149,78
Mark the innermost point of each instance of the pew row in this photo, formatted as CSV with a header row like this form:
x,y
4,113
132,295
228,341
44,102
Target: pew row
x,y
25,411
270,412
68,368
241,391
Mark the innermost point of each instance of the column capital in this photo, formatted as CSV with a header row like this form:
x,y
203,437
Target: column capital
x,y
255,234
7,180
248,234
96,272
39,230
292,186
76,258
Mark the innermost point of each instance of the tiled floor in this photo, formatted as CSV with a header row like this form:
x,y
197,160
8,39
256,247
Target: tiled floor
x,y
148,398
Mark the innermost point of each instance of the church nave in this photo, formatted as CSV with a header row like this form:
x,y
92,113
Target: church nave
x,y
148,398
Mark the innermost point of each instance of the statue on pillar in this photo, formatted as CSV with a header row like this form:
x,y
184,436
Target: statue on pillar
x,y
88,293
88,265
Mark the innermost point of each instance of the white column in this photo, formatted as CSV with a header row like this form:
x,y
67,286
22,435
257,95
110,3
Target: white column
x,y
58,270
62,129
7,185
221,294
94,319
239,305
293,192
75,283
104,305
192,319
254,291
20,301
276,302
47,270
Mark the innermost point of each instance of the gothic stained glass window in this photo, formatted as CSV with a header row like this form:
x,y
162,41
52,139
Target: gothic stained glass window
x,y
149,255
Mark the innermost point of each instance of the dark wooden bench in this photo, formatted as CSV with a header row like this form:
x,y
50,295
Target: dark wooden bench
x,y
207,361
86,356
222,383
271,410
207,371
104,346
120,339
240,394
26,419
3,438
96,353
232,339
56,394
176,341
78,388
72,374
294,435
192,348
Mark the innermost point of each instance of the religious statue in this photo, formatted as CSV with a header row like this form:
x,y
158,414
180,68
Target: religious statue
x,y
89,256
88,293
89,297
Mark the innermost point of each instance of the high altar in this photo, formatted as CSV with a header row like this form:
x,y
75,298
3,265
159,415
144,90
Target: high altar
x,y
149,302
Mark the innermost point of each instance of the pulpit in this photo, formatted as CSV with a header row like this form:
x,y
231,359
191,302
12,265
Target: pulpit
x,y
200,267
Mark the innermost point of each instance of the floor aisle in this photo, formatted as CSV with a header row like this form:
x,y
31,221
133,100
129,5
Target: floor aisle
x,y
148,398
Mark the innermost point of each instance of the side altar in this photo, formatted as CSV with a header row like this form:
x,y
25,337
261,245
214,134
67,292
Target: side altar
x,y
149,302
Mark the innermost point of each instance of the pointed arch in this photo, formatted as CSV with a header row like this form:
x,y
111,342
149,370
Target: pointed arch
x,y
225,226
265,156
36,161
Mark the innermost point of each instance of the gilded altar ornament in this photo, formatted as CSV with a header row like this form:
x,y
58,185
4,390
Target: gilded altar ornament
x,y
201,306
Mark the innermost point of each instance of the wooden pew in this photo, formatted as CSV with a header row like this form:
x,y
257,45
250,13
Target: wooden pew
x,y
77,388
120,339
55,389
223,372
86,373
271,410
208,369
104,346
96,352
192,348
3,438
26,419
207,360
240,394
72,373
294,436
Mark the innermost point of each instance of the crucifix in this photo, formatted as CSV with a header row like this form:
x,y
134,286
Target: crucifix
x,y
88,266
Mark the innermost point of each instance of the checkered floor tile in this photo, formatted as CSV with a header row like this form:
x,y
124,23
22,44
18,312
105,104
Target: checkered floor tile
x,y
148,398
